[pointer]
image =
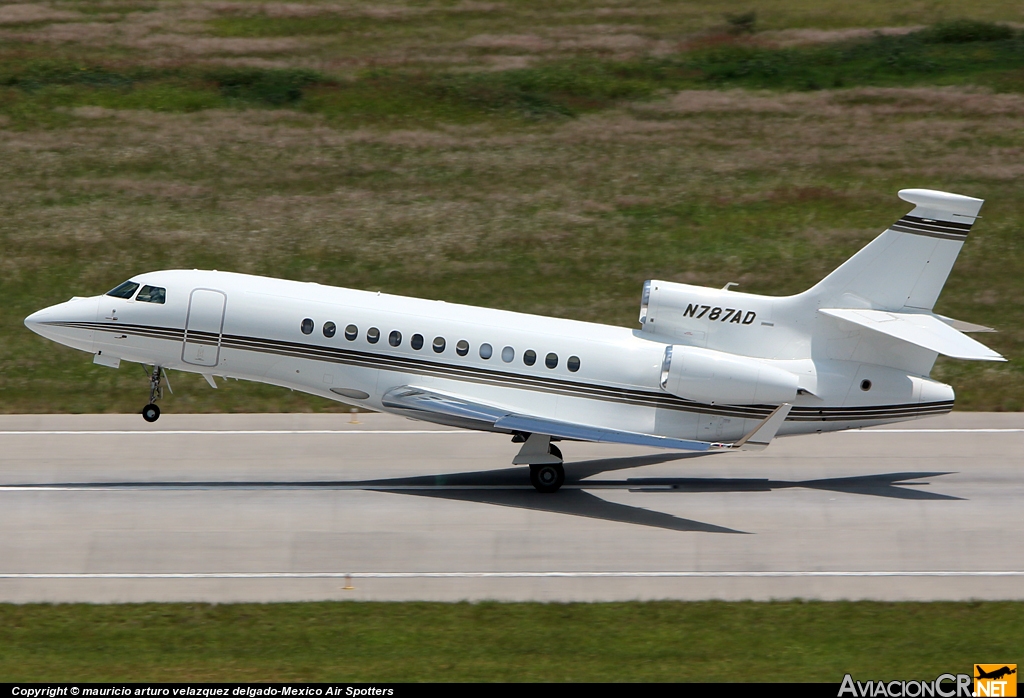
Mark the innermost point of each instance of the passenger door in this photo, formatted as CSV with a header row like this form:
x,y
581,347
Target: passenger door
x,y
203,327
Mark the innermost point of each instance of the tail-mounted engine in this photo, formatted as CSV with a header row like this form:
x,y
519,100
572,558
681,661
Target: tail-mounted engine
x,y
732,322
716,377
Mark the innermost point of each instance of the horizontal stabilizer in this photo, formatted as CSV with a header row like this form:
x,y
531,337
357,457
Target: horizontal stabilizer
x,y
964,326
923,330
454,409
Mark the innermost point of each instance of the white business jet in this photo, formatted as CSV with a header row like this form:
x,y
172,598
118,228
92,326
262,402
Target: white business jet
x,y
708,369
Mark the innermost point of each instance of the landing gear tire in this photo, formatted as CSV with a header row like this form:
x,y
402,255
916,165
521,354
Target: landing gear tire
x,y
548,477
151,413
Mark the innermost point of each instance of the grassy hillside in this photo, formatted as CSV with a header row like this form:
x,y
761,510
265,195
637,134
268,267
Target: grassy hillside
x,y
544,157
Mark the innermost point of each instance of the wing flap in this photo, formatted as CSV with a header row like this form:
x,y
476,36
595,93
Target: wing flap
x,y
579,432
415,399
923,330
438,405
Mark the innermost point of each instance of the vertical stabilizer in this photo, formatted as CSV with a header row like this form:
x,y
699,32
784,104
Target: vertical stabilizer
x,y
908,264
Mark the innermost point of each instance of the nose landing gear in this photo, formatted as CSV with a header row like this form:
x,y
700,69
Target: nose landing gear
x,y
545,460
151,412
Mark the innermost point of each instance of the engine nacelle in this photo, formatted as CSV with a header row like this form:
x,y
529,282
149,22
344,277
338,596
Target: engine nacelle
x,y
704,317
715,377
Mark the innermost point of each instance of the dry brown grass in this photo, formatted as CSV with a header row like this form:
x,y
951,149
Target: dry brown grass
x,y
769,189
91,33
562,217
203,46
465,36
567,173
785,38
414,32
863,101
510,42
28,13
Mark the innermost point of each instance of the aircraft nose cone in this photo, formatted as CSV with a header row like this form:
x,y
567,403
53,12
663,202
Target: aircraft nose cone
x,y
36,319
66,323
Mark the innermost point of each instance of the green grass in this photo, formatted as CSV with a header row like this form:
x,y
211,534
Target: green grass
x,y
260,25
512,156
49,84
923,57
952,53
363,642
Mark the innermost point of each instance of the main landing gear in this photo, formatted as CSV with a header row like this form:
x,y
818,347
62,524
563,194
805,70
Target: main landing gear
x,y
151,412
544,459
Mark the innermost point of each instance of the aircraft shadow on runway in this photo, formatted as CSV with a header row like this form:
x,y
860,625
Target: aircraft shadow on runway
x,y
506,488
510,487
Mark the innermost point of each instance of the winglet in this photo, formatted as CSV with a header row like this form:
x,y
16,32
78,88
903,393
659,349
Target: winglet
x,y
759,438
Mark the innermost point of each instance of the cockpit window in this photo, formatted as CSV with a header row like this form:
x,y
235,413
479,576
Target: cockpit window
x,y
125,290
151,294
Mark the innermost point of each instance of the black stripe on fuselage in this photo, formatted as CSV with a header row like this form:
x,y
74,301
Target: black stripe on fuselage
x,y
403,364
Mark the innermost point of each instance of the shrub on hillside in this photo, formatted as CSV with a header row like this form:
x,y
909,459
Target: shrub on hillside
x,y
962,31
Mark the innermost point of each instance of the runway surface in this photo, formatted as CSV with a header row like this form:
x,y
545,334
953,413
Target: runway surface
x,y
222,508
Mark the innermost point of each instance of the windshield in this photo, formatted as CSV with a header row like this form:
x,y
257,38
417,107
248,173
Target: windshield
x,y
125,290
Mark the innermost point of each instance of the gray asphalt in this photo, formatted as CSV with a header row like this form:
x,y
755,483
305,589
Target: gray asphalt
x,y
414,511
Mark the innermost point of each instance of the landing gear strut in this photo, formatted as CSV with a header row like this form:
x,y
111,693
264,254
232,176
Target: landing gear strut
x,y
545,461
151,412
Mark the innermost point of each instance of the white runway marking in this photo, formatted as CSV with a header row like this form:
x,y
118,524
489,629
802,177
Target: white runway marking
x,y
495,575
332,432
237,508
312,485
933,431
237,432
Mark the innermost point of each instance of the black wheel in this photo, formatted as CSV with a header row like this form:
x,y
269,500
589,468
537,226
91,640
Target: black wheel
x,y
548,477
151,413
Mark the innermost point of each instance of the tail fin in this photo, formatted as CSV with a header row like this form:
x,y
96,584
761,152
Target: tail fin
x,y
908,264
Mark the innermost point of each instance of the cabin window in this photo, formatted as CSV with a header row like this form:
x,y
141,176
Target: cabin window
x,y
351,332
395,338
462,347
485,351
416,342
151,294
329,329
551,360
373,335
306,326
438,345
573,364
507,354
125,290
530,357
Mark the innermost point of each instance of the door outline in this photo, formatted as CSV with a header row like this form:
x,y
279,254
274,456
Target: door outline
x,y
220,328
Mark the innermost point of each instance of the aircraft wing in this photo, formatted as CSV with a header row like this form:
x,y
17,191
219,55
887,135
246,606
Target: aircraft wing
x,y
436,404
